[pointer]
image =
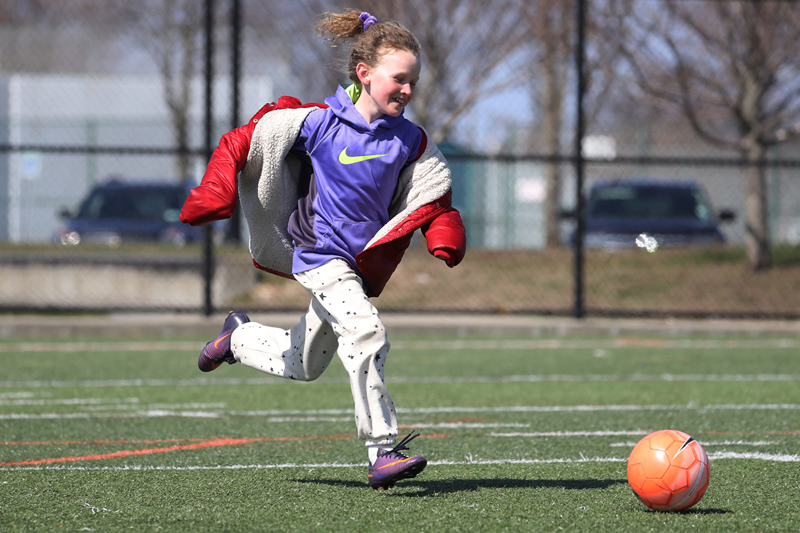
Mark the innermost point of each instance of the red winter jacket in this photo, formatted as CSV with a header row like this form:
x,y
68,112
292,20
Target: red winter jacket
x,y
217,197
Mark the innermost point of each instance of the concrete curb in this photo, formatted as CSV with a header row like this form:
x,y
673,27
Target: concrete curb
x,y
185,325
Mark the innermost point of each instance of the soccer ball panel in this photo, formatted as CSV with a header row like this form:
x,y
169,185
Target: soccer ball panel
x,y
661,440
636,476
691,495
655,493
677,479
656,465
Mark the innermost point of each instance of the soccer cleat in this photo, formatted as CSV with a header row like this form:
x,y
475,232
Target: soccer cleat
x,y
391,466
219,350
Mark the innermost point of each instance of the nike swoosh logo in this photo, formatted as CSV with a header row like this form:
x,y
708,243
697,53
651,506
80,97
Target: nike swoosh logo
x,y
216,342
394,463
349,160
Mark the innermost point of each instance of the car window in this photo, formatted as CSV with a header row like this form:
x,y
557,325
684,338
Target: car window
x,y
647,202
151,204
139,203
92,205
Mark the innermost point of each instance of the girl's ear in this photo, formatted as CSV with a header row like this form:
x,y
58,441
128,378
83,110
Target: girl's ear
x,y
363,73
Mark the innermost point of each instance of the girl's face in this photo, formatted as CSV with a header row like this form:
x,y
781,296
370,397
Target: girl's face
x,y
388,87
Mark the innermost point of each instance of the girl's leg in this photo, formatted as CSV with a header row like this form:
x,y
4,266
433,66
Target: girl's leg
x,y
302,353
362,346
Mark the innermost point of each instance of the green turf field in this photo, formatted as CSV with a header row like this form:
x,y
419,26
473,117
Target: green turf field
x,y
520,435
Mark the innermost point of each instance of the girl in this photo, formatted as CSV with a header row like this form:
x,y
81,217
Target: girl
x,y
332,194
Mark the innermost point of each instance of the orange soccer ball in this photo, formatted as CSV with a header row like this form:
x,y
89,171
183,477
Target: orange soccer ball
x,y
668,470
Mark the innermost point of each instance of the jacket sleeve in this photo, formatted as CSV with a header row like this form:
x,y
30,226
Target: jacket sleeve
x,y
446,237
217,196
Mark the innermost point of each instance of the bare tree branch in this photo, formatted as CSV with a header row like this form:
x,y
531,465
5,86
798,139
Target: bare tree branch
x,y
733,69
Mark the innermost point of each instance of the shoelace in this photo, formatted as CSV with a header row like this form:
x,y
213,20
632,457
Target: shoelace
x,y
401,446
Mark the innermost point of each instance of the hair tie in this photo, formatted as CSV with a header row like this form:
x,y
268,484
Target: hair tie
x,y
367,19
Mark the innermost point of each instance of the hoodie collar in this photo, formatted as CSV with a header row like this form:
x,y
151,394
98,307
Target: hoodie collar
x,y
343,106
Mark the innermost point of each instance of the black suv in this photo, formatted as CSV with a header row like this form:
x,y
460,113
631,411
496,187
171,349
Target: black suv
x,y
675,213
115,212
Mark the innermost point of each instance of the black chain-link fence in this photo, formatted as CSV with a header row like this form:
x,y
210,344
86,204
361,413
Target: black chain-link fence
x,y
688,179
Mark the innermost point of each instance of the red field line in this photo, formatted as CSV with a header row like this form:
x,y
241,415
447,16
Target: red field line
x,y
205,443
119,441
128,453
209,443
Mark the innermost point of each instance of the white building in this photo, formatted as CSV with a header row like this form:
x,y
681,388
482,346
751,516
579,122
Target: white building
x,y
106,112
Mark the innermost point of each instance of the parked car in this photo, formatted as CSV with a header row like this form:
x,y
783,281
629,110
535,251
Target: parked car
x,y
116,211
675,213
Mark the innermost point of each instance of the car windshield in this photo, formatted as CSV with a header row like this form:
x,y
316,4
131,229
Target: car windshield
x,y
139,203
647,201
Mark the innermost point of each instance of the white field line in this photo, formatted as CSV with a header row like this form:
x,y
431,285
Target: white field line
x,y
79,347
779,457
115,383
569,378
70,401
334,415
465,425
21,395
572,433
600,377
464,344
106,404
709,443
155,406
162,413
590,344
624,444
597,408
783,458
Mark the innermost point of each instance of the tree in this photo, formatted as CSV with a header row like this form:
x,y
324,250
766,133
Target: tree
x,y
284,33
467,55
733,70
552,43
462,51
171,32
551,23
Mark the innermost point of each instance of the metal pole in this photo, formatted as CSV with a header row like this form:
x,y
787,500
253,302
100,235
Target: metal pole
x,y
579,161
236,63
208,241
234,232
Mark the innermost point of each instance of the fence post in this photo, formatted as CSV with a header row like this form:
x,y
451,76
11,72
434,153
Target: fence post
x,y
234,231
208,241
578,310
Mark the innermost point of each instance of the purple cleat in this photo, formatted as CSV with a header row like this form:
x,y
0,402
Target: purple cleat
x,y
391,466
219,350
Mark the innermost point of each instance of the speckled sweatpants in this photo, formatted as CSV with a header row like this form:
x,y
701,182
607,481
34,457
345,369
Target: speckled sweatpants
x,y
339,318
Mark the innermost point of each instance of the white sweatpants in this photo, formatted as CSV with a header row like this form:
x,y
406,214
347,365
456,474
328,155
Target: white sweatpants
x,y
339,318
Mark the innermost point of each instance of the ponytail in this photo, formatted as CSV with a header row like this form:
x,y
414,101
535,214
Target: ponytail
x,y
338,27
371,39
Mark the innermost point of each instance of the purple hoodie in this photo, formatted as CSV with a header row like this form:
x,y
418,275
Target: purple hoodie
x,y
346,190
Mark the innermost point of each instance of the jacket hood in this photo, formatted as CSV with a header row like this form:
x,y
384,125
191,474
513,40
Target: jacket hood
x,y
343,106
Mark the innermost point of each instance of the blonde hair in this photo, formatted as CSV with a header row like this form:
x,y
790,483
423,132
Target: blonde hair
x,y
368,45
